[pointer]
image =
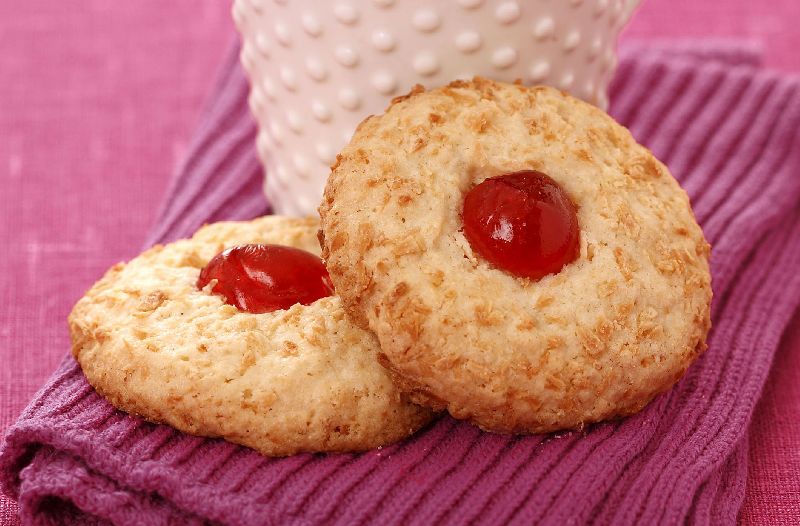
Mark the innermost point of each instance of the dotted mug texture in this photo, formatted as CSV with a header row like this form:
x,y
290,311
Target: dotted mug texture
x,y
316,69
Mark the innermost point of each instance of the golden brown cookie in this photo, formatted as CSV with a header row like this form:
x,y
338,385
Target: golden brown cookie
x,y
300,379
598,339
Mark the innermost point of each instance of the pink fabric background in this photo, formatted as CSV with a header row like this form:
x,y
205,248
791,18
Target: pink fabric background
x,y
97,100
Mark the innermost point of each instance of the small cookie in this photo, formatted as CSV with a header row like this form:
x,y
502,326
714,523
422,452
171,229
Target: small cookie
x,y
596,339
287,381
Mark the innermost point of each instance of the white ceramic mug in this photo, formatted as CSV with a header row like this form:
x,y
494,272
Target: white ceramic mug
x,y
317,68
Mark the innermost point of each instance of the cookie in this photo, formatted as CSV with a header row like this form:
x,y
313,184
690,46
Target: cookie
x,y
596,339
299,379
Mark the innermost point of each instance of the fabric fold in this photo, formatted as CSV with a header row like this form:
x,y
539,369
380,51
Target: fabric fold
x,y
729,133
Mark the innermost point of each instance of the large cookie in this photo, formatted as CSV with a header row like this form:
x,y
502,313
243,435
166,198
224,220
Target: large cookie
x,y
301,379
598,339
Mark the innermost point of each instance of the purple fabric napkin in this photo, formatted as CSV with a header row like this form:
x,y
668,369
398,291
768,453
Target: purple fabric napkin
x,y
729,133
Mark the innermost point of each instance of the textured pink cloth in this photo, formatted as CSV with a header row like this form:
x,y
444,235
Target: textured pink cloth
x,y
98,100
773,482
770,24
727,131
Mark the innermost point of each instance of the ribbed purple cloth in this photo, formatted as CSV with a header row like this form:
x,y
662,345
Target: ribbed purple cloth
x,y
729,133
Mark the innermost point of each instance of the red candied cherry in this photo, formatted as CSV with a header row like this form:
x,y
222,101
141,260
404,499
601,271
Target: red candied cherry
x,y
264,278
523,223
